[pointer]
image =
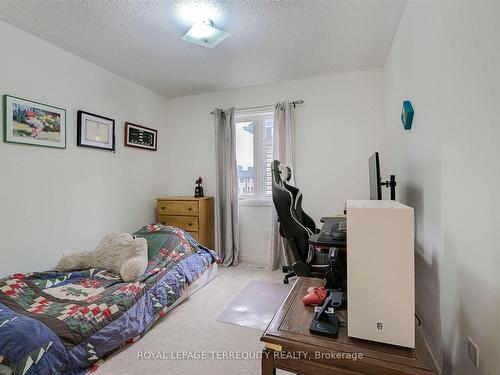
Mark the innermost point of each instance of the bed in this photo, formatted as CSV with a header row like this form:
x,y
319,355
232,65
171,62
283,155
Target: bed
x,y
68,322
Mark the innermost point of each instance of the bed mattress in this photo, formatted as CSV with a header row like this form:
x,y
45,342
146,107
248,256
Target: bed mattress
x,y
67,322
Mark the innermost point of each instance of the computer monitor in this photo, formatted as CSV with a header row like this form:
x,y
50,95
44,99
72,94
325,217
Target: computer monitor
x,y
375,179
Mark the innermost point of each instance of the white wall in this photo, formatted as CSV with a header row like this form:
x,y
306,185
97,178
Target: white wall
x,y
54,200
339,125
446,60
58,200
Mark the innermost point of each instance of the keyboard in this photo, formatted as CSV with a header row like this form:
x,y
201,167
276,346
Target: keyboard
x,y
324,236
341,226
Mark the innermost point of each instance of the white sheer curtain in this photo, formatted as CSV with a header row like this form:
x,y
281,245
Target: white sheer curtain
x,y
283,141
227,219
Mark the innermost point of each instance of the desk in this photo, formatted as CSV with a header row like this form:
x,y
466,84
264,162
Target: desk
x,y
290,346
328,223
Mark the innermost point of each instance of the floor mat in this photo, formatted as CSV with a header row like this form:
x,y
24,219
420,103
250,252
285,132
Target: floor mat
x,y
255,305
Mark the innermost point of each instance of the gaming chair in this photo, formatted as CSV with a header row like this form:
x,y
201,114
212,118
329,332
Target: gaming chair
x,y
292,228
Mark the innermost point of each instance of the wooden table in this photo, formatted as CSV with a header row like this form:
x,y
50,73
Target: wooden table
x,y
290,346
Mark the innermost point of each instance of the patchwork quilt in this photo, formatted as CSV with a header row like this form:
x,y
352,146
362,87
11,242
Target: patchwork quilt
x,y
67,322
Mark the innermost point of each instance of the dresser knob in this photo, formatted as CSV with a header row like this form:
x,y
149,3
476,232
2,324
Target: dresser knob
x,y
190,209
163,223
163,208
190,224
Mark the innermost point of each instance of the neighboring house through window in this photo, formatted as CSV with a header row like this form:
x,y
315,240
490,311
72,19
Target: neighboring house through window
x,y
254,155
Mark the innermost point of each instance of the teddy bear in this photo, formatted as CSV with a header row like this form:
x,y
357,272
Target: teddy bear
x,y
117,252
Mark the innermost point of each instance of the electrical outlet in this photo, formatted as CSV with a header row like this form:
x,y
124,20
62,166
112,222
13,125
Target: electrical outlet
x,y
473,350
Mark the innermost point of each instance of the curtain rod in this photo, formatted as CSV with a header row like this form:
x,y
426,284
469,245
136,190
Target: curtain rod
x,y
295,103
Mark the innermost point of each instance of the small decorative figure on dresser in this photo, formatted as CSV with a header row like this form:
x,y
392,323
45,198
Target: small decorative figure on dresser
x,y
198,190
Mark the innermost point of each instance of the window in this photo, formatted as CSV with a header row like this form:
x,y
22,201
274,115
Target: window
x,y
254,155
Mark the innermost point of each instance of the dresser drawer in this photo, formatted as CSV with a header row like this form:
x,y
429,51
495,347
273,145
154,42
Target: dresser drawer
x,y
178,208
194,235
188,223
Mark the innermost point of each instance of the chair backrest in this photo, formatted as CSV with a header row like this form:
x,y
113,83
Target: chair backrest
x,y
291,228
303,217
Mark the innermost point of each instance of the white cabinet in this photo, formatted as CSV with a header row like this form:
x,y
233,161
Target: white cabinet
x,y
380,272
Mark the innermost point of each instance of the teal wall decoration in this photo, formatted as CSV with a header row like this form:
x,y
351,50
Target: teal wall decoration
x,y
407,115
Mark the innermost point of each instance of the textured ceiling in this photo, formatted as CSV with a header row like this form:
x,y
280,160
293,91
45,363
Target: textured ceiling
x,y
269,41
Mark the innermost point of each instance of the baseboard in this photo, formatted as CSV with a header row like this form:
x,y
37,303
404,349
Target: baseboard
x,y
255,267
436,365
254,260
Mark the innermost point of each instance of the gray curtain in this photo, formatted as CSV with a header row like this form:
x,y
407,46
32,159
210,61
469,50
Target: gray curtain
x,y
283,143
227,220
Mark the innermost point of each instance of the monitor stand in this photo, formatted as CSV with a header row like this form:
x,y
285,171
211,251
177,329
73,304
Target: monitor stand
x,y
391,184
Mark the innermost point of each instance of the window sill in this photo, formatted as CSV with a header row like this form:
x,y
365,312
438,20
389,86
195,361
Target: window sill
x,y
254,202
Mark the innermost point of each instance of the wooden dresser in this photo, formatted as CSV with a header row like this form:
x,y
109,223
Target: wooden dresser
x,y
195,215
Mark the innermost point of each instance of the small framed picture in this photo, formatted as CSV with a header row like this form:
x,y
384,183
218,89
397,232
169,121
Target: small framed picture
x,y
33,123
140,137
95,131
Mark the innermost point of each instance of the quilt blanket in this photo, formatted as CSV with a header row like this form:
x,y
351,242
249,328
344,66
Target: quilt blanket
x,y
66,322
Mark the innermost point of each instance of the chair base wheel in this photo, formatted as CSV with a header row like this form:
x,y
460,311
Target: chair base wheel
x,y
287,276
286,269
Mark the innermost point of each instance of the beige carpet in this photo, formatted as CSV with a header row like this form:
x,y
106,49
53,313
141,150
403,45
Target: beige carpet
x,y
192,327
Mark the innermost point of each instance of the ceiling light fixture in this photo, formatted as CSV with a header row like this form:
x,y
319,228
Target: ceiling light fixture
x,y
190,12
205,34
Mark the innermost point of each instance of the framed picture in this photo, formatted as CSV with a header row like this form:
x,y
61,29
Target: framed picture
x,y
33,123
95,131
140,137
